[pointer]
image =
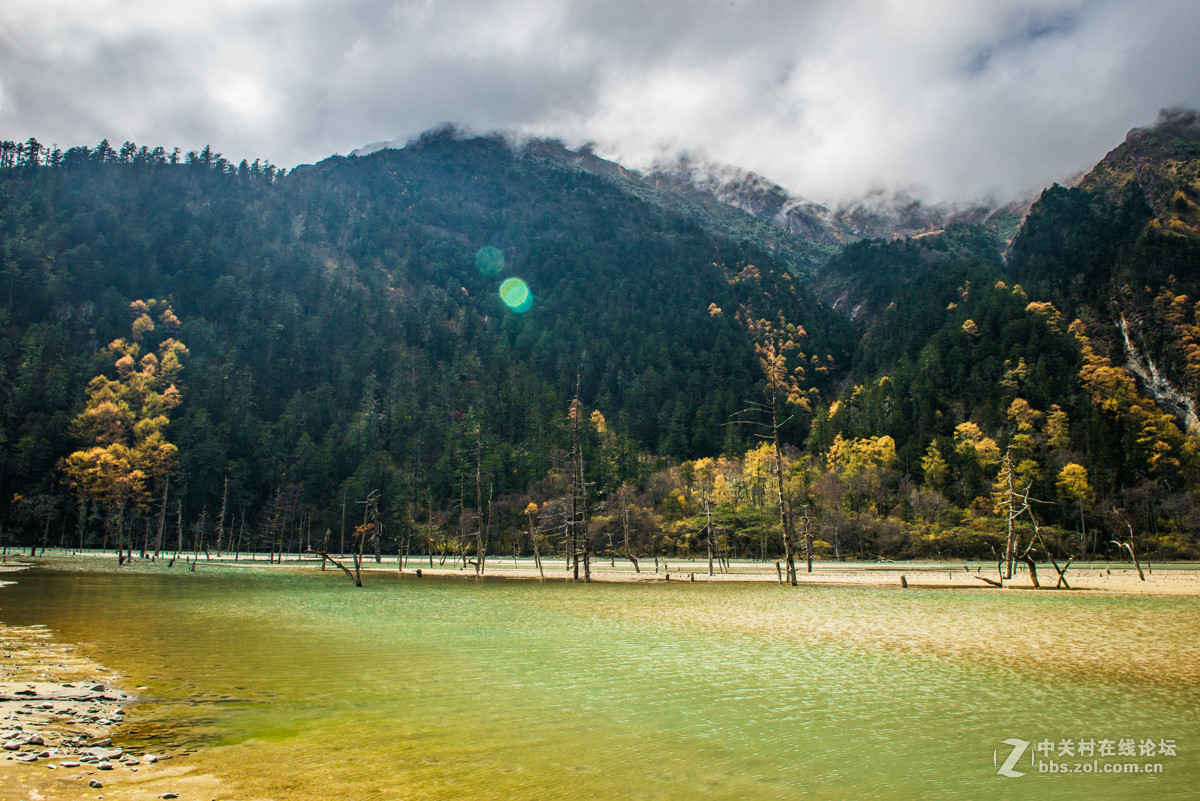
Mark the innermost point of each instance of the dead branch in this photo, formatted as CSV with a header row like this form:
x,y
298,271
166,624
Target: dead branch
x,y
357,581
1062,572
1128,546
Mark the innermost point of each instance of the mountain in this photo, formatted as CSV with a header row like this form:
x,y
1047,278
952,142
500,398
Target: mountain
x,y
449,323
803,250
343,325
1123,246
1163,161
753,194
1076,345
878,215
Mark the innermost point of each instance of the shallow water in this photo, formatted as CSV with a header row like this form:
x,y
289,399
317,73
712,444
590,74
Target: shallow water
x,y
300,686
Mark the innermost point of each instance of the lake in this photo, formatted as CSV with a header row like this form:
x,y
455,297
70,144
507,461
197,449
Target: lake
x,y
295,684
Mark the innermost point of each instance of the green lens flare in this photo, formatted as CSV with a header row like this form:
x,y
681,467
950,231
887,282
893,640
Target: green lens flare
x,y
516,294
489,260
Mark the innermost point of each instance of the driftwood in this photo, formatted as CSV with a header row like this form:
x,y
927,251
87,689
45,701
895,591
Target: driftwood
x,y
1028,560
1062,572
993,582
1128,546
357,581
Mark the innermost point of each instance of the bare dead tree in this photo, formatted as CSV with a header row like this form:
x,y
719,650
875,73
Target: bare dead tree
x,y
577,524
1011,496
162,521
999,571
530,510
178,530
198,531
342,547
368,530
221,517
623,496
237,549
808,538
479,548
1128,546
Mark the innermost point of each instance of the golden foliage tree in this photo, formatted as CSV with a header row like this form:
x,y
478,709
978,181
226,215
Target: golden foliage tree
x,y
777,346
1073,485
126,458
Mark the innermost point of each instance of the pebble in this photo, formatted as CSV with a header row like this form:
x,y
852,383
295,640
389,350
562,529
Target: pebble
x,y
94,784
104,753
104,766
70,763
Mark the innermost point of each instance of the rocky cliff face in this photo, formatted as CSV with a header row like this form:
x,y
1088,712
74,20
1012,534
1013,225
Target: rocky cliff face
x,y
754,195
1166,395
878,215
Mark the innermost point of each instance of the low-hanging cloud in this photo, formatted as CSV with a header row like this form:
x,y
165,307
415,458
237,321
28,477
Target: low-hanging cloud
x,y
831,98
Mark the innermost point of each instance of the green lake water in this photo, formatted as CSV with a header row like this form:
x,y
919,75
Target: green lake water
x,y
297,685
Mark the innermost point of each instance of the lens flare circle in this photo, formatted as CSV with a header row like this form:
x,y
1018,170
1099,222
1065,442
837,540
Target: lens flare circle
x,y
516,295
489,260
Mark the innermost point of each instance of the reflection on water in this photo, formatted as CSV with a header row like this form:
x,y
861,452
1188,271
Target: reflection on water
x,y
301,686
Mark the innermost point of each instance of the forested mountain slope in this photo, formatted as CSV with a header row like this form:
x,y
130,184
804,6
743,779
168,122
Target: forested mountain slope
x,y
344,330
1079,349
279,347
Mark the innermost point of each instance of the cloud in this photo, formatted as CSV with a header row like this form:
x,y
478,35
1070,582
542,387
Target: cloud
x,y
829,97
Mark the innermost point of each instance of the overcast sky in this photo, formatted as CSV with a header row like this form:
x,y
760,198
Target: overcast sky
x,y
953,99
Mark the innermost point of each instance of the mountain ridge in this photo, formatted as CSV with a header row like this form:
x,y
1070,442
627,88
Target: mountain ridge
x,y
346,331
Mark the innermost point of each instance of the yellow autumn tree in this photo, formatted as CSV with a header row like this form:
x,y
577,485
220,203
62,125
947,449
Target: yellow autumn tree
x,y
126,458
1074,487
777,346
934,467
863,464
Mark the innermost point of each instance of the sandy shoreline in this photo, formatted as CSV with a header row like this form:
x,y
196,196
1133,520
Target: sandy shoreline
x,y
1098,577
1181,578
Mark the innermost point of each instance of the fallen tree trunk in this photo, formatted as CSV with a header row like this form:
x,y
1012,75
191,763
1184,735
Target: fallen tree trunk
x,y
356,579
1062,572
1028,560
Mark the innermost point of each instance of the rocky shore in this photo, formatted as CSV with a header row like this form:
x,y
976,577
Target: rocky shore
x,y
59,715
